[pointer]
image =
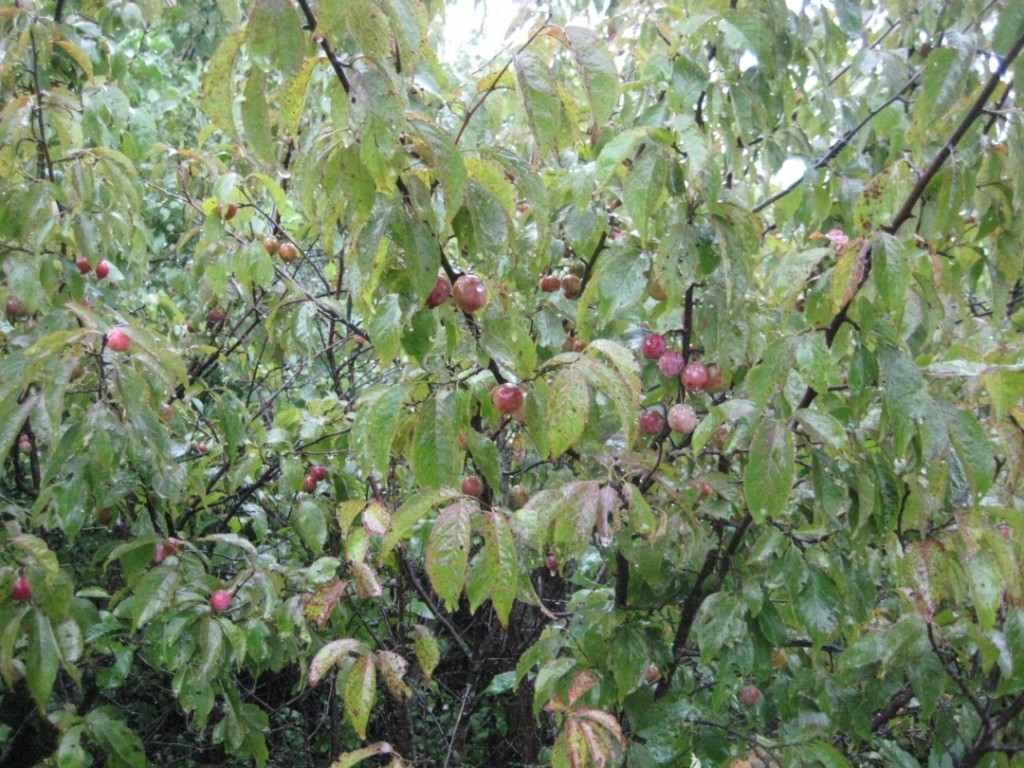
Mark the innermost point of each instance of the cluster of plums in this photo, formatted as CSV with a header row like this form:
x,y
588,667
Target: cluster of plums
x,y
695,377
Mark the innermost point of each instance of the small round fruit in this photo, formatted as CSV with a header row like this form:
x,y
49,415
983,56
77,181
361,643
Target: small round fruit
x,y
318,472
438,296
103,269
166,413
227,212
309,484
655,290
202,448
572,286
578,268
83,265
779,658
288,252
118,340
750,695
552,563
715,381
695,377
14,307
682,418
653,674
160,554
470,293
22,590
171,545
549,284
507,398
671,363
270,245
215,318
518,495
653,346
25,444
473,486
220,601
652,423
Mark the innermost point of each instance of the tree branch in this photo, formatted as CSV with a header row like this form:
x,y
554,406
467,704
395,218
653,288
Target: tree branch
x,y
903,215
322,39
837,146
976,111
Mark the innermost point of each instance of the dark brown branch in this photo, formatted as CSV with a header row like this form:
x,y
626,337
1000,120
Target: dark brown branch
x,y
322,39
890,710
983,744
837,146
494,83
435,609
45,162
905,212
976,111
588,272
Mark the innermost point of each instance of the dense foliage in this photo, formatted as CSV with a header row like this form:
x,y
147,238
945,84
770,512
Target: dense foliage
x,y
751,495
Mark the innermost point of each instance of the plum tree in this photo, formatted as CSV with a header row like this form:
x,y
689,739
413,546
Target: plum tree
x,y
715,458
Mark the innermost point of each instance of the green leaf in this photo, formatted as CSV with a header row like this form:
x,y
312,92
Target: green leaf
x,y
415,509
945,75
543,105
628,657
310,522
348,759
274,34
720,624
292,98
815,606
428,651
974,448
435,459
154,594
987,585
256,117
376,425
361,693
906,395
573,522
332,655
645,188
600,78
622,146
107,728
385,327
42,660
421,253
1009,27
823,426
769,476
448,552
211,647
218,96
502,564
486,457
409,23
446,160
568,405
